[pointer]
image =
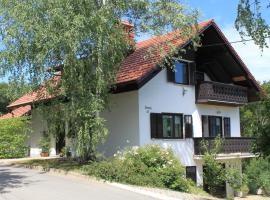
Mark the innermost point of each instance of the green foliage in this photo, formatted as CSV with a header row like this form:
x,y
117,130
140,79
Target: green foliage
x,y
255,122
146,166
236,179
13,136
45,143
258,174
88,38
251,21
3,99
214,173
10,92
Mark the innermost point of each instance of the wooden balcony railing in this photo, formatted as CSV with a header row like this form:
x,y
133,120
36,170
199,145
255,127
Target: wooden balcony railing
x,y
220,93
230,145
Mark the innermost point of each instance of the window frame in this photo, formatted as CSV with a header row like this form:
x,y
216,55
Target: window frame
x,y
186,64
222,120
221,125
156,125
173,128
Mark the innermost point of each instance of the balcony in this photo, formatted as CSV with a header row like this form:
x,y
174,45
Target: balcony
x,y
221,93
229,146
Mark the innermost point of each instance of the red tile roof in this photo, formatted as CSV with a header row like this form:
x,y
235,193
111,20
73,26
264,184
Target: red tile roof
x,y
133,67
136,66
18,112
32,97
40,95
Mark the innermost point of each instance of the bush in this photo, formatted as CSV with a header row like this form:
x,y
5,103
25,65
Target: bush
x,y
236,179
214,173
45,143
13,135
145,166
258,174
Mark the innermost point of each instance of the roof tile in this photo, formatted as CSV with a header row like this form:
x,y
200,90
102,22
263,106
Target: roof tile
x,y
18,112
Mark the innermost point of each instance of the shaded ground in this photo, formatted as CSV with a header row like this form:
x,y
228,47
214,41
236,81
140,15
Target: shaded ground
x,y
254,197
25,184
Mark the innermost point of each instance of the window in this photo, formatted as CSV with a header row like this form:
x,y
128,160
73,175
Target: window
x,y
167,122
191,173
227,127
215,126
188,126
212,126
166,125
181,73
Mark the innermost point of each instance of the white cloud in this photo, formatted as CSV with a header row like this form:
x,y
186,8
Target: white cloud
x,y
258,62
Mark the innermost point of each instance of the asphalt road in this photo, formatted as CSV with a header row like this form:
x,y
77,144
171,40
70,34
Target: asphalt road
x,y
24,184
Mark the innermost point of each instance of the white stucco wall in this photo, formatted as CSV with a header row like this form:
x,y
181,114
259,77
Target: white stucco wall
x,y
159,95
122,121
38,127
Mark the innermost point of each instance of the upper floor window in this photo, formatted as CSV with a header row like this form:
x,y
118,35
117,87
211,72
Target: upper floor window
x,y
181,73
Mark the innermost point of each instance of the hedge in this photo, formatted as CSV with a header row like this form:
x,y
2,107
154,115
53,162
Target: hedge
x,y
13,137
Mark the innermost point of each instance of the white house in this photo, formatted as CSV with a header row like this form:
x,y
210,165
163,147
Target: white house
x,y
176,109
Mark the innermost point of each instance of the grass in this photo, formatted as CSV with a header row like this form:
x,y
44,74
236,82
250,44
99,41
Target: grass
x,y
59,163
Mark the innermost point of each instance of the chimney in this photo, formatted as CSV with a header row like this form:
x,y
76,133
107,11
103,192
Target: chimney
x,y
129,29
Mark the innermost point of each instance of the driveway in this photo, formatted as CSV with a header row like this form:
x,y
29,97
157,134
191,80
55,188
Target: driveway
x,y
24,184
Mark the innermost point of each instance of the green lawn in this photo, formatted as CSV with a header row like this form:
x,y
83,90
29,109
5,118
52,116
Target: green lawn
x,y
59,163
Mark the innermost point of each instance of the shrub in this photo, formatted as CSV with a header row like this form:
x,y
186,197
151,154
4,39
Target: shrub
x,y
45,143
258,174
214,173
236,179
146,166
13,135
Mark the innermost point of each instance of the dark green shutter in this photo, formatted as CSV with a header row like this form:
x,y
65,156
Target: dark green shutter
x,y
170,74
192,70
159,126
227,126
156,125
188,125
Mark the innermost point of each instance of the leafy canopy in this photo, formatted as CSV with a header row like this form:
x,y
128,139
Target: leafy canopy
x,y
252,21
255,122
88,38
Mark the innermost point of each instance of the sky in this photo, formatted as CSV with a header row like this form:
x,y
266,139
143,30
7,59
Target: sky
x,y
224,13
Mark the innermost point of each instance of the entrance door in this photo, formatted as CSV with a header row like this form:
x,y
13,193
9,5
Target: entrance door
x,y
60,142
220,191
